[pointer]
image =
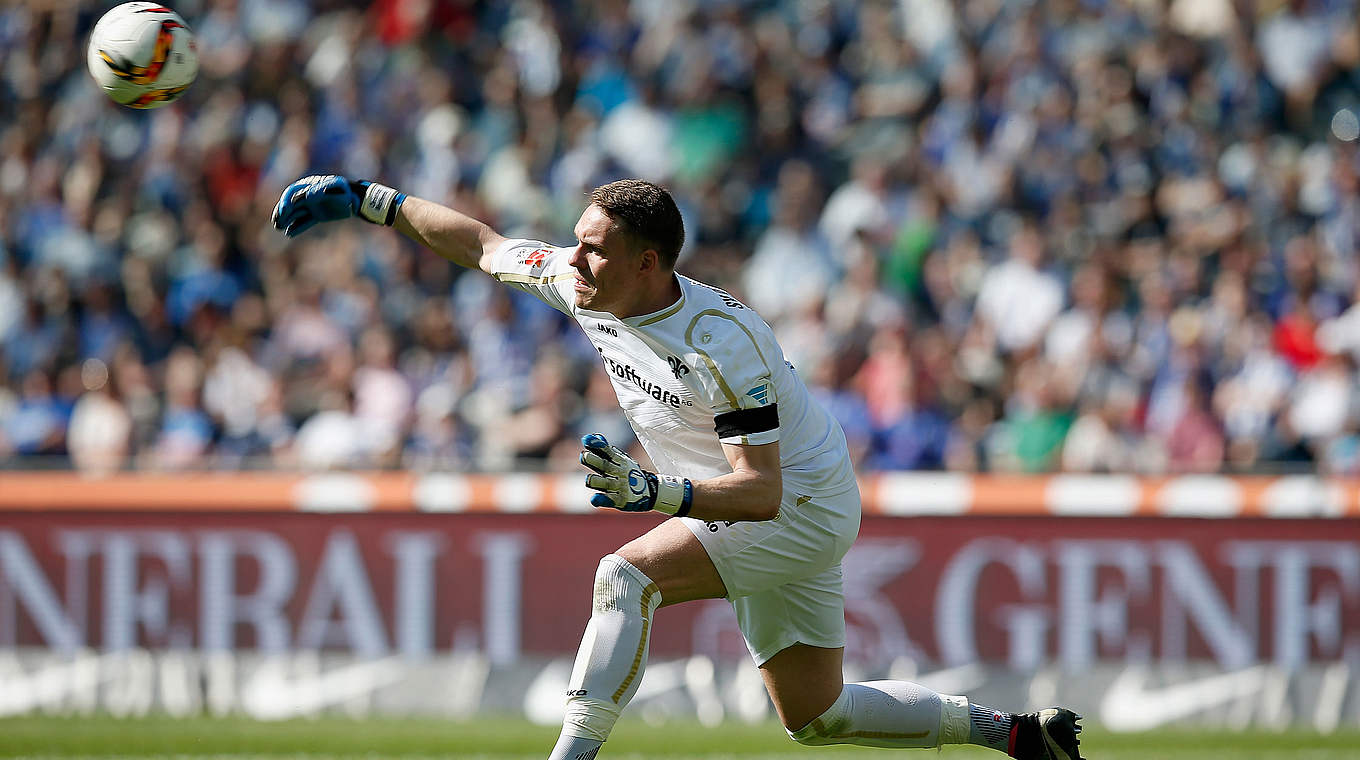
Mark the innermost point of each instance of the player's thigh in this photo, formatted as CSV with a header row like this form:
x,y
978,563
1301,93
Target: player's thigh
x,y
809,611
676,562
806,538
803,681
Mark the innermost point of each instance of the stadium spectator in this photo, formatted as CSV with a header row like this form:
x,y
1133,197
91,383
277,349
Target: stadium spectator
x,y
1009,235
100,434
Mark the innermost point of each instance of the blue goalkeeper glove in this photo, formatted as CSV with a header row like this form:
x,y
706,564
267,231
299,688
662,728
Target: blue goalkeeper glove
x,y
624,485
330,198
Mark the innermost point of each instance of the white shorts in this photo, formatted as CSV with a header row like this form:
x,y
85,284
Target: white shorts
x,y
783,576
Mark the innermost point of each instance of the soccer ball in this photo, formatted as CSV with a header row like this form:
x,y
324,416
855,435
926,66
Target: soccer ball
x,y
143,55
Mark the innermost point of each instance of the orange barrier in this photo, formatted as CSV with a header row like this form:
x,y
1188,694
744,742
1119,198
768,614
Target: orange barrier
x,y
892,493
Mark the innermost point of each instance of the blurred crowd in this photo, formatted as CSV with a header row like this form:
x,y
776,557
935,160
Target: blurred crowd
x,y
1007,235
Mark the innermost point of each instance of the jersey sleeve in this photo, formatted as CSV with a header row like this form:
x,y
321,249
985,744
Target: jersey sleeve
x,y
538,269
735,374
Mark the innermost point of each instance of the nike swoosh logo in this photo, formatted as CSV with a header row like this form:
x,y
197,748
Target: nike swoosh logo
x,y
272,693
1131,705
49,682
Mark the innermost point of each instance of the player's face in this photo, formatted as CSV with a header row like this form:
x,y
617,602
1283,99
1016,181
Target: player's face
x,y
605,263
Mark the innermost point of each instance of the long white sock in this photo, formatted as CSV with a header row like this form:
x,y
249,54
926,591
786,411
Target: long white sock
x,y
613,655
575,748
901,714
878,714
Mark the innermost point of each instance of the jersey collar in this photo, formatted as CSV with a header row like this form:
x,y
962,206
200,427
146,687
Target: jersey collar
x,y
643,320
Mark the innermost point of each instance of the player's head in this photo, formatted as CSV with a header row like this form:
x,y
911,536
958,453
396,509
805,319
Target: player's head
x,y
646,213
629,237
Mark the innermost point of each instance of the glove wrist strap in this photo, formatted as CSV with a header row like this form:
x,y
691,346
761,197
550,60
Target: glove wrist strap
x,y
673,495
379,203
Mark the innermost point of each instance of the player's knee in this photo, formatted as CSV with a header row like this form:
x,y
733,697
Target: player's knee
x,y
826,727
620,587
811,735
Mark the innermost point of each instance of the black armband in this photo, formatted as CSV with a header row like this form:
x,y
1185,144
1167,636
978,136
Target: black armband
x,y
746,421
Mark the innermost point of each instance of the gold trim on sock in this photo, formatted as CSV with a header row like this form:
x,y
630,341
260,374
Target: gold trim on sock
x,y
647,594
821,731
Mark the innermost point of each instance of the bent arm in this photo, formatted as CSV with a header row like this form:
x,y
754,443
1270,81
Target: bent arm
x,y
751,492
456,236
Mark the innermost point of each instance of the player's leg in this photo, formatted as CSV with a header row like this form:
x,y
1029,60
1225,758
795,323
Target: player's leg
x,y
817,709
665,566
803,682
677,562
876,714
796,634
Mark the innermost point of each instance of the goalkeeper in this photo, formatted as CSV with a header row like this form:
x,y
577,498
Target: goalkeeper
x,y
755,473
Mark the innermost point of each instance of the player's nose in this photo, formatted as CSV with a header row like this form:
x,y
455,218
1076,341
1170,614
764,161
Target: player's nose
x,y
577,256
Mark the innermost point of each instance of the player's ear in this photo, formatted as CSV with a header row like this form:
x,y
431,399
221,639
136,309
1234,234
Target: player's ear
x,y
649,260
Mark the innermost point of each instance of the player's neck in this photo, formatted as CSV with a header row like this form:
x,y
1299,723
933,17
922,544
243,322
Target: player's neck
x,y
653,299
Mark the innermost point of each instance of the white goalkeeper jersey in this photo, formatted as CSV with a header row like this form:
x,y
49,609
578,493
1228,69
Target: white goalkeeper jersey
x,y
705,370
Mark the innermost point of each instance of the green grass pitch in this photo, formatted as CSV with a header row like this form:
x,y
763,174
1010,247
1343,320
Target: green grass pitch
x,y
505,739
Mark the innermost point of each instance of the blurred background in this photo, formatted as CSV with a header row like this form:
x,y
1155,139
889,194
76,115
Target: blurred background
x,y
1061,258
1079,235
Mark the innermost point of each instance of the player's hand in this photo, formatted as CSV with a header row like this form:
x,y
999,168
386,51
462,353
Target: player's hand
x,y
620,480
623,484
330,198
318,198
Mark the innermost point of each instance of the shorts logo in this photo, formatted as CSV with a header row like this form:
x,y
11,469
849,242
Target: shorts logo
x,y
678,367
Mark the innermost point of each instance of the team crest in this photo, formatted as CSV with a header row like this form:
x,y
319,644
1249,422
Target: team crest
x,y
678,367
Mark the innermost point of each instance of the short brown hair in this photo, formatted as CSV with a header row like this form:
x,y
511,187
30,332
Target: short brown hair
x,y
647,212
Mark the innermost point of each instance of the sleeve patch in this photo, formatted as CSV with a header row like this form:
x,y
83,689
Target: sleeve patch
x,y
743,422
760,393
537,269
534,259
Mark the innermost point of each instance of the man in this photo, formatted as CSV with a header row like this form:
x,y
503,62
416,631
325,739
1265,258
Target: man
x,y
755,473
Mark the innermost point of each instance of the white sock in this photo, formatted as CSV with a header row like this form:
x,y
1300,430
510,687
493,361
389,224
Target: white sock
x,y
613,653
878,714
901,714
575,748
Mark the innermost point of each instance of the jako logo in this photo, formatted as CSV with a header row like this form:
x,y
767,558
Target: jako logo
x,y
602,327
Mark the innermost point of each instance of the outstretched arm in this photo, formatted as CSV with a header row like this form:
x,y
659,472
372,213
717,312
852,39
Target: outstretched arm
x,y
328,198
454,235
